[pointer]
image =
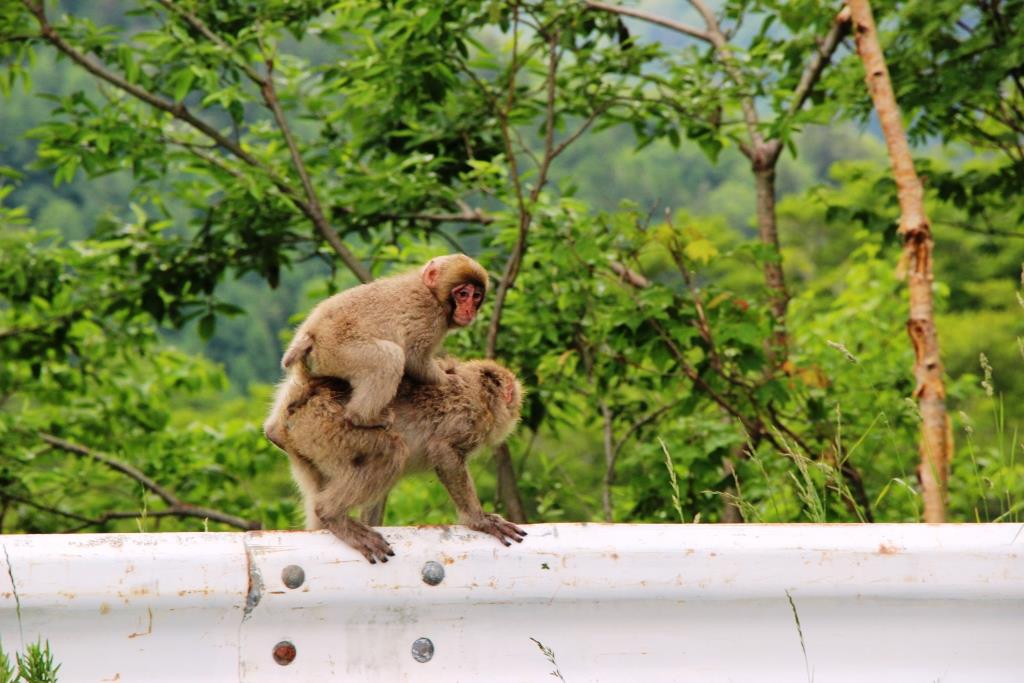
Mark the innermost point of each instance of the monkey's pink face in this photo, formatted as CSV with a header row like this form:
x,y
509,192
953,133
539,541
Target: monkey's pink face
x,y
466,299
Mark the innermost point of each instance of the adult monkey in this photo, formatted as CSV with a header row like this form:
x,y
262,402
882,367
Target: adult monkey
x,y
372,334
338,467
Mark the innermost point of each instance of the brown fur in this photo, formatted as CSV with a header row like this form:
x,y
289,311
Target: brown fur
x,y
338,466
372,334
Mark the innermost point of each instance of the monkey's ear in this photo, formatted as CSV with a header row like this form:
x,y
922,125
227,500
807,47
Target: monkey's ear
x,y
431,274
508,392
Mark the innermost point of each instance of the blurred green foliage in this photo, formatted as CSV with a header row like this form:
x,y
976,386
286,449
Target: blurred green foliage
x,y
150,273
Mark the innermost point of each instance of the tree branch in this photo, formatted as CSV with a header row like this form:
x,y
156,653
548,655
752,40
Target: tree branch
x,y
627,274
581,130
315,211
176,109
936,445
515,259
176,507
86,522
701,383
717,39
650,18
822,56
312,207
721,43
179,111
640,424
991,232
467,216
198,24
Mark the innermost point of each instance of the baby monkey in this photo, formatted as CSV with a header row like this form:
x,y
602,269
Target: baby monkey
x,y
338,466
373,334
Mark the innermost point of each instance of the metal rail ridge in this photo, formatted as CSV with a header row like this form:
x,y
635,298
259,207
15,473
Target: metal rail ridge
x,y
590,602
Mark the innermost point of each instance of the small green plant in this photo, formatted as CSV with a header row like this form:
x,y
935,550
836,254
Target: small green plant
x,y
989,481
673,481
34,666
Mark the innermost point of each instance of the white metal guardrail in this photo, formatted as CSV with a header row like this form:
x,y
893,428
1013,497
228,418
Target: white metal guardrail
x,y
614,602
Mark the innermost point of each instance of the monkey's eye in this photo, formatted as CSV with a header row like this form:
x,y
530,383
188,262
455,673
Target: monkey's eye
x,y
477,295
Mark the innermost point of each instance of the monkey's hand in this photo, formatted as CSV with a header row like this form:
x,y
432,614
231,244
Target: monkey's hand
x,y
367,541
382,421
432,370
497,527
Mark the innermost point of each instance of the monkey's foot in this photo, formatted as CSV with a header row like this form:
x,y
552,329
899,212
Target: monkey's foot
x,y
382,421
371,544
499,528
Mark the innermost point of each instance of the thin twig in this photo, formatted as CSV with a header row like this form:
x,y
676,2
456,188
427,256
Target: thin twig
x,y
561,147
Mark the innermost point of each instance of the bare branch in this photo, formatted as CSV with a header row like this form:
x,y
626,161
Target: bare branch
x,y
629,275
86,522
111,516
202,152
650,18
8,496
549,117
117,465
467,216
176,506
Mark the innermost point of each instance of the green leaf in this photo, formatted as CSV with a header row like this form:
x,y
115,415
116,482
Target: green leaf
x,y
207,326
180,84
702,250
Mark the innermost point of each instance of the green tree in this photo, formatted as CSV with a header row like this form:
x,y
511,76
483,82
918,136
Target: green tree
x,y
263,144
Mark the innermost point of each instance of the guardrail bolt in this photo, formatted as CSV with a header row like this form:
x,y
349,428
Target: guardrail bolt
x,y
284,653
422,650
433,573
293,576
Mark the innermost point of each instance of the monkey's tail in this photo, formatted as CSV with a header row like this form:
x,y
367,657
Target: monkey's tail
x,y
297,351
